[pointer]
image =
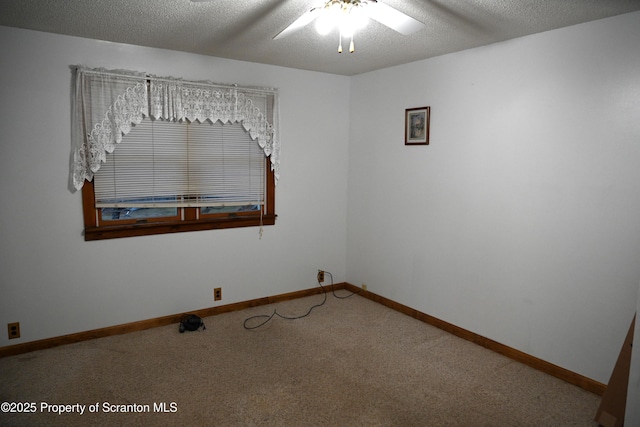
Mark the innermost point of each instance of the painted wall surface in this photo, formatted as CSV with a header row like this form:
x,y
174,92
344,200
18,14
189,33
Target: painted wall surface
x,y
521,220
54,283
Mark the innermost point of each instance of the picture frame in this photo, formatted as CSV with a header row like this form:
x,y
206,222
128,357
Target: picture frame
x,y
416,126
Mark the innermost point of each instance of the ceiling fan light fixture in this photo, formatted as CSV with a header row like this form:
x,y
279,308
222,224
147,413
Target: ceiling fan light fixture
x,y
349,16
346,15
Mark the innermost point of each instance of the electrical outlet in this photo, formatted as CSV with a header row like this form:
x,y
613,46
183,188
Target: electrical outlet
x,y
364,286
320,276
217,294
14,330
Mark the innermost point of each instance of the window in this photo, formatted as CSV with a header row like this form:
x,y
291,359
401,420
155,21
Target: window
x,y
166,156
171,177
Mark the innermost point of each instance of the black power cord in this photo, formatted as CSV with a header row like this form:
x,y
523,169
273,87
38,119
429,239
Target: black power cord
x,y
268,317
333,290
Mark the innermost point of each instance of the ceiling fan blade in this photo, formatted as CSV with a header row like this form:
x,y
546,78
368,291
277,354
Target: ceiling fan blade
x,y
393,18
299,23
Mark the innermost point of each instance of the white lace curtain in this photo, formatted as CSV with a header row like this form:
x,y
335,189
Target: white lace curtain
x,y
107,103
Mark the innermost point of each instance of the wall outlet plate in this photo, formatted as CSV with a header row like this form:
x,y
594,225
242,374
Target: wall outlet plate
x,y
14,330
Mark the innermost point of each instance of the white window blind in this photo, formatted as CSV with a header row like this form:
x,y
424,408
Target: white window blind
x,y
172,164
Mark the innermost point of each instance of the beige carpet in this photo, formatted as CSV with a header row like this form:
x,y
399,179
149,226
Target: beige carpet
x,y
351,362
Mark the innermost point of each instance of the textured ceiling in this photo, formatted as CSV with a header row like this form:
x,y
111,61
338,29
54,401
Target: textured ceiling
x,y
244,30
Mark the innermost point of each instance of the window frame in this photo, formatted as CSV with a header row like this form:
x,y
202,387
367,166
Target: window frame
x,y
188,217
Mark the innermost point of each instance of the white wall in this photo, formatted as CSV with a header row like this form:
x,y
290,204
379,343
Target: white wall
x,y
55,283
521,220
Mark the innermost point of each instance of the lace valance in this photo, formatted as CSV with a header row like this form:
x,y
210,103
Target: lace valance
x,y
107,103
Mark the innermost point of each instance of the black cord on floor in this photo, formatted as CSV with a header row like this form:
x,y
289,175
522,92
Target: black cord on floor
x,y
333,290
268,317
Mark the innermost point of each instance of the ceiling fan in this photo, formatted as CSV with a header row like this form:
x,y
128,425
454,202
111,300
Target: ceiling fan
x,y
348,16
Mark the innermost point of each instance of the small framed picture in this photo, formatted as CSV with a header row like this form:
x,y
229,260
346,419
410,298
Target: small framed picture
x,y
416,126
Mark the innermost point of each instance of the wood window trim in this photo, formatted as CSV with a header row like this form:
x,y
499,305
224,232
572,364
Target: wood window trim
x,y
93,231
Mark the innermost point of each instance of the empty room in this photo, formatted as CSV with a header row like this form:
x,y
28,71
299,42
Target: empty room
x,y
437,220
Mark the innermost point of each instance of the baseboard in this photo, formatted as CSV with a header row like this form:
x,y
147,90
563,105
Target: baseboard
x,y
534,362
539,364
13,350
